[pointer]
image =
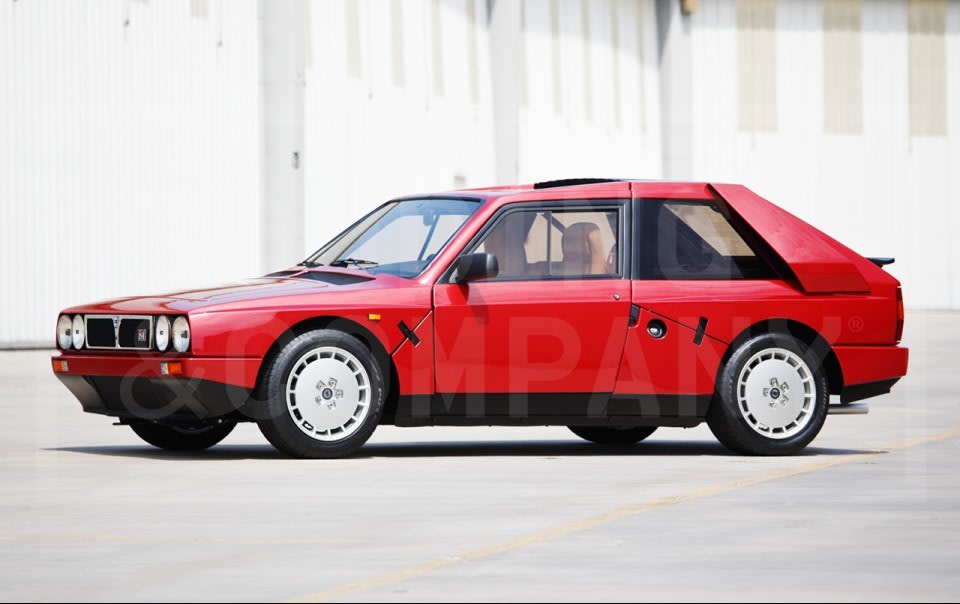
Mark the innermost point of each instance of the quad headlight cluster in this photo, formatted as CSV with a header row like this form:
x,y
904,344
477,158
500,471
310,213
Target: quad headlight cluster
x,y
178,333
71,333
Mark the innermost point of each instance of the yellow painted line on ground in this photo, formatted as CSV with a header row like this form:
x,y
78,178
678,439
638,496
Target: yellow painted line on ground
x,y
575,526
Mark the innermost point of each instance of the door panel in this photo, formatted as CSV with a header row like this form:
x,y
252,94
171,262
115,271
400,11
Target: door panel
x,y
530,336
672,364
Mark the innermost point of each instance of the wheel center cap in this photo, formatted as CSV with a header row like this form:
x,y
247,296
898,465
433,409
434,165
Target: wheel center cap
x,y
777,393
329,393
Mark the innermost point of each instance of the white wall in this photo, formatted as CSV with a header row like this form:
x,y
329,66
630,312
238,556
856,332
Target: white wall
x,y
369,139
128,152
132,158
882,192
619,136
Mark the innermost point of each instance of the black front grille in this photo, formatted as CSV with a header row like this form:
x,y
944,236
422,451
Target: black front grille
x,y
134,333
100,333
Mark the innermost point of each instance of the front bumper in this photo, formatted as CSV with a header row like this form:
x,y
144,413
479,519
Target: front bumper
x,y
134,387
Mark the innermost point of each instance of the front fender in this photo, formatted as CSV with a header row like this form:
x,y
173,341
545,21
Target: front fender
x,y
251,333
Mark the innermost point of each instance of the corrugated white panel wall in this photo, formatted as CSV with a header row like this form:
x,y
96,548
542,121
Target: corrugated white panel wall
x,y
881,190
130,144
590,106
128,152
591,101
410,112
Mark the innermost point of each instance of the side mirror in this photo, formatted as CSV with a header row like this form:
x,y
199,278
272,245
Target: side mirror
x,y
471,267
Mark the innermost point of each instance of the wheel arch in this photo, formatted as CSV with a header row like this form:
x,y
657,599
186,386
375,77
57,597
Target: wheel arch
x,y
366,337
803,332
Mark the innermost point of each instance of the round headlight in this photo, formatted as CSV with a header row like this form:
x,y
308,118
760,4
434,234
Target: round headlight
x,y
79,332
64,327
181,334
163,332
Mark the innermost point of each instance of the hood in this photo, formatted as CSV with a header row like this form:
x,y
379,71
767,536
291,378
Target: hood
x,y
282,285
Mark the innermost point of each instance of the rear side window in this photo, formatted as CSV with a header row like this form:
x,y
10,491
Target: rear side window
x,y
694,240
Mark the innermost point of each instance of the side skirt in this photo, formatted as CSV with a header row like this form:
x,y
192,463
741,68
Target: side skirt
x,y
550,409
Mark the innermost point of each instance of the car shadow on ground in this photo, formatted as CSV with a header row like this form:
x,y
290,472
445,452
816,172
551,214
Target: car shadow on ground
x,y
427,449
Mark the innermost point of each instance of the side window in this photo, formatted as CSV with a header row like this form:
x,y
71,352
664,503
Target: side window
x,y
544,244
518,241
587,242
694,240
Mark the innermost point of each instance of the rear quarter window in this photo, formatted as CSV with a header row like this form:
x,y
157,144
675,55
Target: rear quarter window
x,y
694,240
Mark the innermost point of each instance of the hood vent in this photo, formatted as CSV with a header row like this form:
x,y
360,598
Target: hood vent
x,y
333,278
282,274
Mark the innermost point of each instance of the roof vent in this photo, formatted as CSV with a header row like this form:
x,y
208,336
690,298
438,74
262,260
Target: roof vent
x,y
572,182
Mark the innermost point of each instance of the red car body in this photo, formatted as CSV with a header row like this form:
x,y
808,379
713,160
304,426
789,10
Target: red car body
x,y
521,352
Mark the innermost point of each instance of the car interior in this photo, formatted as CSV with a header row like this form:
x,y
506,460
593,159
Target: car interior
x,y
526,244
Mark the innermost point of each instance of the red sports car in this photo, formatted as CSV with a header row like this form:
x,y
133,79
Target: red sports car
x,y
613,307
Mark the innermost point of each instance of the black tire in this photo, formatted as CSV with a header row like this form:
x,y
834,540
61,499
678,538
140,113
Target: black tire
x,y
185,436
613,436
279,427
732,428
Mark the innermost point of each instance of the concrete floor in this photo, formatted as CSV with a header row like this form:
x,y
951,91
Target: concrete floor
x,y
871,512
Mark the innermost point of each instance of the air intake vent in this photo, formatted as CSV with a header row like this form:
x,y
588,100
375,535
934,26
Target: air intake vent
x,y
134,333
101,333
333,278
282,274
572,182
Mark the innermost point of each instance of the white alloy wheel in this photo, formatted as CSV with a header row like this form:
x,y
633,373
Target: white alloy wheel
x,y
328,393
776,393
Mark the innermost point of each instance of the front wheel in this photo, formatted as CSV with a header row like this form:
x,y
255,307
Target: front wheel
x,y
771,399
602,435
194,436
323,395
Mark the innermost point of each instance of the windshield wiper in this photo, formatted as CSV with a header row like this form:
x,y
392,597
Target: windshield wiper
x,y
310,264
342,262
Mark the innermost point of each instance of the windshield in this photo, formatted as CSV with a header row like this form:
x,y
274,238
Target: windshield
x,y
399,238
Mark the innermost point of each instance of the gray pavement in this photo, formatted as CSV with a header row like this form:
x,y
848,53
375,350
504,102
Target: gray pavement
x,y
870,512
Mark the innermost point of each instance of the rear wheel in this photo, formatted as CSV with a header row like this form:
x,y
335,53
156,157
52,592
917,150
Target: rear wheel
x,y
621,435
193,436
772,396
323,395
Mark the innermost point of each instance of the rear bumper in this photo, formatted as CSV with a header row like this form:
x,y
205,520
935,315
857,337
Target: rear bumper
x,y
858,392
870,371
133,387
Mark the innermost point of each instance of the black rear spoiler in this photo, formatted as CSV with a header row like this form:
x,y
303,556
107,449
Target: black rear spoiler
x,y
882,262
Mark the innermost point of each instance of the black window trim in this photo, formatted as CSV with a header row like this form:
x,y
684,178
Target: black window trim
x,y
622,205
